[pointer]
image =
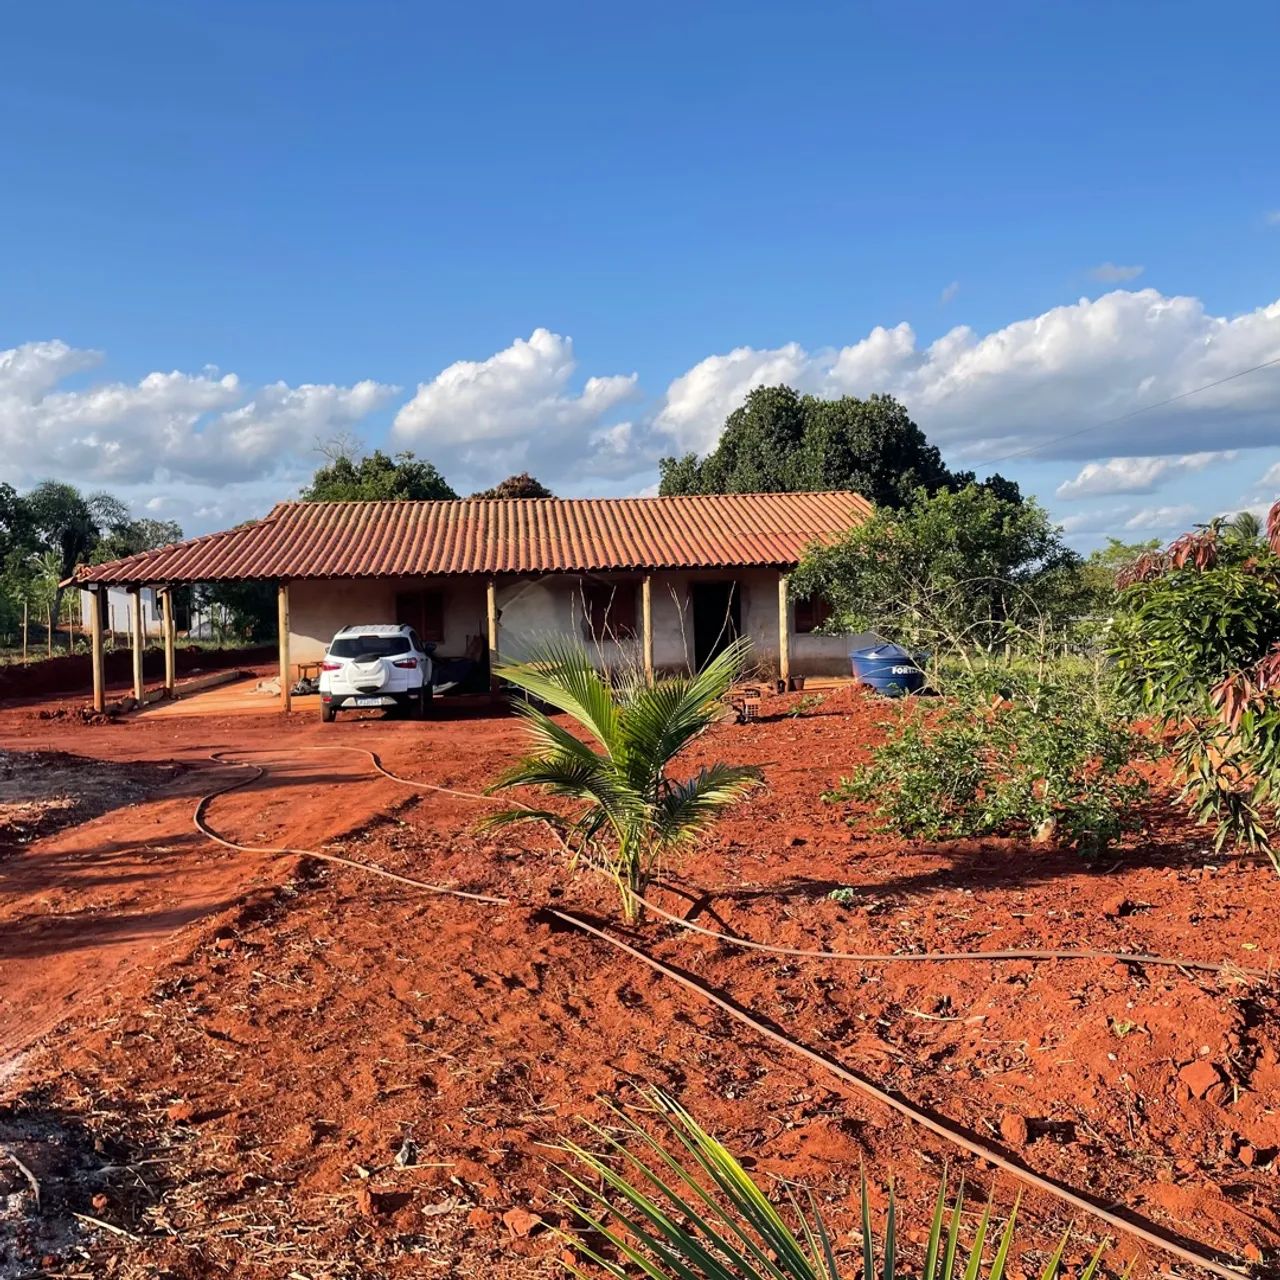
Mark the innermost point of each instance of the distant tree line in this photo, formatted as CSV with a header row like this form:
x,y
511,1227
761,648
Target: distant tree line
x,y
777,441
49,530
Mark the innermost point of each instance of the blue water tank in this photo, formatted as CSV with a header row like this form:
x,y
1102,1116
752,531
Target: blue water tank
x,y
889,669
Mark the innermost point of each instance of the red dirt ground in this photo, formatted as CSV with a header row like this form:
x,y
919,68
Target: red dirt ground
x,y
246,1042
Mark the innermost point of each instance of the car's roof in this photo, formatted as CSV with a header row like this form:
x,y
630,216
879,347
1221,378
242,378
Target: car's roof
x,y
376,629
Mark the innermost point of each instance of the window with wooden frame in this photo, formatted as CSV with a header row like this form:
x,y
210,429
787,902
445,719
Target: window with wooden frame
x,y
424,612
610,610
811,613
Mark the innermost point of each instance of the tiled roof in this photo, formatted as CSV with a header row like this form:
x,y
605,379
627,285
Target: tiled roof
x,y
500,535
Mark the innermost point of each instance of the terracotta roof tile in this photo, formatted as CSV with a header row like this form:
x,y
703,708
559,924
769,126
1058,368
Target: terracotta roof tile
x,y
500,535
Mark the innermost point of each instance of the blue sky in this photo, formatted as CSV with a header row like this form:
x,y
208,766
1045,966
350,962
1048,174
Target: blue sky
x,y
571,238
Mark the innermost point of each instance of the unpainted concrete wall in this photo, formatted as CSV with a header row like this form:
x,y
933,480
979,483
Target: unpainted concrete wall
x,y
538,608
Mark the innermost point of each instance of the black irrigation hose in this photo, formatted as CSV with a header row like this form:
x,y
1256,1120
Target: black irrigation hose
x,y
939,1128
1034,955
203,827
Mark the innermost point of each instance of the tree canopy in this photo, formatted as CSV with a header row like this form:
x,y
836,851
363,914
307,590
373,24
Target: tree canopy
x,y
781,441
522,486
960,569
374,477
50,530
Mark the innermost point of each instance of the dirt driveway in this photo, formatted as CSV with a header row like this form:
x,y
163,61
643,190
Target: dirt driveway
x,y
84,906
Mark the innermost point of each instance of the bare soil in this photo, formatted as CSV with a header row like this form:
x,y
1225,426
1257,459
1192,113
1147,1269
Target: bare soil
x,y
44,791
239,1045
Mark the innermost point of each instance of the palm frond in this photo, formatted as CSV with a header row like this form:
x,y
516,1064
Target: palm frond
x,y
578,778
686,1209
685,1229
550,736
509,817
688,807
561,674
660,721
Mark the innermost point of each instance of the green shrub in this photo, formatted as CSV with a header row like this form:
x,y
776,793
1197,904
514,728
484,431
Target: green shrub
x,y
1196,646
1045,755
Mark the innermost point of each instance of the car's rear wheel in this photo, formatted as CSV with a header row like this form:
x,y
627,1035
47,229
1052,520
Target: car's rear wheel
x,y
327,713
425,698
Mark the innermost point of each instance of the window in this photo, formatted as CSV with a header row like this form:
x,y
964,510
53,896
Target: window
x,y
811,613
610,609
372,646
423,611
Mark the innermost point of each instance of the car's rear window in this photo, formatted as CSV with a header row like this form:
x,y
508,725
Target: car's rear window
x,y
368,646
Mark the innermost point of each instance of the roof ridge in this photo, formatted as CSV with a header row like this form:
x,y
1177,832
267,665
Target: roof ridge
x,y
293,503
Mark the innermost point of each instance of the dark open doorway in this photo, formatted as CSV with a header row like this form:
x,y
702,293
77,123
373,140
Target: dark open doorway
x,y
717,618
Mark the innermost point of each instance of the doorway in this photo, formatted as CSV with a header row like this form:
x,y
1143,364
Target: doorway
x,y
717,618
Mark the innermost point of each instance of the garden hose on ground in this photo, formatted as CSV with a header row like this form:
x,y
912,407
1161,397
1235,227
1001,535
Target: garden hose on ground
x,y
1195,1257
1036,955
934,957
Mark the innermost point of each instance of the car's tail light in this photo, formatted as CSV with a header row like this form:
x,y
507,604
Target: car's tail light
x,y
331,666
409,664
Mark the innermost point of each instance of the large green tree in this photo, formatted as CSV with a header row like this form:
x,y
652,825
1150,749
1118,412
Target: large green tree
x,y
1102,566
781,441
952,570
374,477
131,537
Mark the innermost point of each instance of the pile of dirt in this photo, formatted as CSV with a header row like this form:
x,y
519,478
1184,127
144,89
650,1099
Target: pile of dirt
x,y
354,1079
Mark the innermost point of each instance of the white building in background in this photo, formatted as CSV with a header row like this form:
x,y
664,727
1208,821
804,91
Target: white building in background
x,y
118,620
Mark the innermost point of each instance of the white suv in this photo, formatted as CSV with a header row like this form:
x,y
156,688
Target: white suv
x,y
376,666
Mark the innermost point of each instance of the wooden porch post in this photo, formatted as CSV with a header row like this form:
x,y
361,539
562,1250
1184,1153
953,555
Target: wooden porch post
x,y
282,603
784,631
170,641
139,640
646,625
95,648
491,614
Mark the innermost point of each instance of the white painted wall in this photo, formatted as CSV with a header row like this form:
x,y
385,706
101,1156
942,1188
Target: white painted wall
x,y
319,608
119,617
539,608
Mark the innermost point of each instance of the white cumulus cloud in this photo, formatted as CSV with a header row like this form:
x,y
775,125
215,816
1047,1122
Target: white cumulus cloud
x,y
204,427
983,396
1135,475
1161,519
515,406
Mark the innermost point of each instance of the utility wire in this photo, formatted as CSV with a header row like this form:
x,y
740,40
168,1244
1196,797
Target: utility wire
x,y
1124,417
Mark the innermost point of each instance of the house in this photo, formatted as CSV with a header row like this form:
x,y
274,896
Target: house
x,y
669,579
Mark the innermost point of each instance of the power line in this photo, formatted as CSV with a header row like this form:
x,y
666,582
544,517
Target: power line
x,y
1124,417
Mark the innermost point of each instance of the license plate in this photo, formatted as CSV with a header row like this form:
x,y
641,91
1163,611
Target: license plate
x,y
373,702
